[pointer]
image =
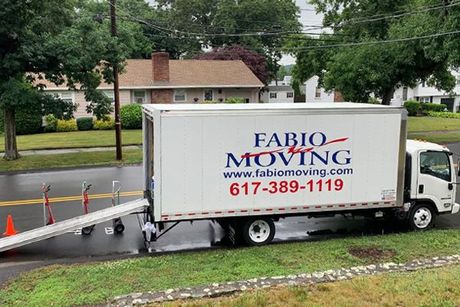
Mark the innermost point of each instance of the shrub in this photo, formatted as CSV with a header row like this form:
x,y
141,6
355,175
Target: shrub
x,y
131,116
426,107
443,114
50,123
235,100
412,107
107,124
66,125
28,121
85,123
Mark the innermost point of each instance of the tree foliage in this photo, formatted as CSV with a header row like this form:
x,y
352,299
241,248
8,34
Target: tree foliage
x,y
256,62
184,27
379,68
63,42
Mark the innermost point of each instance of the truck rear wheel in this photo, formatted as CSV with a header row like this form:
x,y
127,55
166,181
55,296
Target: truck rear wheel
x,y
258,231
422,217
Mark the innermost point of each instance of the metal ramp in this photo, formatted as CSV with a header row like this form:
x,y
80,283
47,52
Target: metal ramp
x,y
59,228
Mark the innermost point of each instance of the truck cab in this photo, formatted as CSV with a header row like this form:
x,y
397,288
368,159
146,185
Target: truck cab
x,y
430,183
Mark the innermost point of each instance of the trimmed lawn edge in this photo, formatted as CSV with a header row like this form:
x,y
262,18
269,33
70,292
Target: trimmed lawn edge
x,y
236,287
69,168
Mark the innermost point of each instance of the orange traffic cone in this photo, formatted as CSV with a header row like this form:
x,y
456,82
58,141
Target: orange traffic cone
x,y
10,231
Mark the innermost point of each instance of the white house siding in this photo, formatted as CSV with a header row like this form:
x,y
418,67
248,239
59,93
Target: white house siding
x,y
311,91
125,98
281,93
428,94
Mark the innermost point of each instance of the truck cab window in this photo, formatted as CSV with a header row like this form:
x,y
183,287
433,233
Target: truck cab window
x,y
435,164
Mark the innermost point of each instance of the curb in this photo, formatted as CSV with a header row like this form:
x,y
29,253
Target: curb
x,y
217,290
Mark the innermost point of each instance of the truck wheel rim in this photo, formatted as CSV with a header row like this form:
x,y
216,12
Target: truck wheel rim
x,y
259,231
422,218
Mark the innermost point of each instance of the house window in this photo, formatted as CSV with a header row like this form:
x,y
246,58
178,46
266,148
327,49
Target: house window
x,y
219,91
317,92
65,96
109,94
289,94
273,95
179,96
208,95
139,97
424,99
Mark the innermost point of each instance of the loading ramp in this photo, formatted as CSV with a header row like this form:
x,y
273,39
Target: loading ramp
x,y
59,228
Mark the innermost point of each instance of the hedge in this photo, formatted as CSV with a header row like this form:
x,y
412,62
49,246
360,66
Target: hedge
x,y
426,107
85,123
50,123
131,116
66,125
412,107
107,124
443,114
28,121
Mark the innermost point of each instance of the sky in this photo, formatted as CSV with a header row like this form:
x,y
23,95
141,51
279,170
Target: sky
x,y
307,17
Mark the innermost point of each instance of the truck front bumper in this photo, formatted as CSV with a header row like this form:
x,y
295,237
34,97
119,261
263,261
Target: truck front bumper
x,y
455,208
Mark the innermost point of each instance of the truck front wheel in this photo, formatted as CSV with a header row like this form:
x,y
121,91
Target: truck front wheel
x,y
422,217
258,231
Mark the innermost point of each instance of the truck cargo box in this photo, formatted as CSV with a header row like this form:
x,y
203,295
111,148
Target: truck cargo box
x,y
221,160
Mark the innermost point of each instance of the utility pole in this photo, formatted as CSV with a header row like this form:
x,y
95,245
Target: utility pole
x,y
116,89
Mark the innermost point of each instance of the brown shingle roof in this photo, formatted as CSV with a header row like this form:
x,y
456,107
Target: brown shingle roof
x,y
185,73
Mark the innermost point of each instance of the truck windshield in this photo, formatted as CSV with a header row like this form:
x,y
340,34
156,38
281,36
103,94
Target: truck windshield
x,y
436,164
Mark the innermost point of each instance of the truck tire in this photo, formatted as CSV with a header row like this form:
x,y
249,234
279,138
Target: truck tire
x,y
422,217
258,231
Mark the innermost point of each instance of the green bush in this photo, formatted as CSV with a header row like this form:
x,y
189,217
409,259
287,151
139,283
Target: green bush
x,y
443,114
84,123
412,107
28,121
426,107
50,123
107,124
66,125
235,100
131,116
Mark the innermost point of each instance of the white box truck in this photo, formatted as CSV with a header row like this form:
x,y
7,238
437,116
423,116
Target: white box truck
x,y
248,165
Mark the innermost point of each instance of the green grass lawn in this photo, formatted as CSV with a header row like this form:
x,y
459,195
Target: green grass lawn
x,y
417,124
95,283
130,156
436,287
92,138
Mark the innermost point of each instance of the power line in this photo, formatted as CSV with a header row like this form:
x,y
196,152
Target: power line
x,y
375,42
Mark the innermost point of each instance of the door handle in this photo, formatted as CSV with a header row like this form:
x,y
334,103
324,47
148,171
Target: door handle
x,y
421,188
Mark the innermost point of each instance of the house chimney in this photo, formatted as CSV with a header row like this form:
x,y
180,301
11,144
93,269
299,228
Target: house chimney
x,y
160,66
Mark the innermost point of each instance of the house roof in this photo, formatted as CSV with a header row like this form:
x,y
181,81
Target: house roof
x,y
183,74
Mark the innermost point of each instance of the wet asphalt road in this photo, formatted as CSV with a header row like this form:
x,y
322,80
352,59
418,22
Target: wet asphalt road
x,y
71,248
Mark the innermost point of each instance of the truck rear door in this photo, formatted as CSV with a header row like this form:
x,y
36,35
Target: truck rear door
x,y
435,179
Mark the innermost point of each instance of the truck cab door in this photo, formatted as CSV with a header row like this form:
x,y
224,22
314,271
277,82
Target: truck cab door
x,y
435,179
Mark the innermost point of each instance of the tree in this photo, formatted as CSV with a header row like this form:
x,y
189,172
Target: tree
x,y
184,27
372,67
256,62
62,42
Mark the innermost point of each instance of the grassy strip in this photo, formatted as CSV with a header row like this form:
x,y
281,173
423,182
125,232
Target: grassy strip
x,y
422,288
93,138
442,137
95,283
417,124
130,156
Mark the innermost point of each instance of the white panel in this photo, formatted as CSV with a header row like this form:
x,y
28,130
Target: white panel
x,y
195,150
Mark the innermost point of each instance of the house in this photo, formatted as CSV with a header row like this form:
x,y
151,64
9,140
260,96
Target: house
x,y
161,80
279,91
315,93
425,93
